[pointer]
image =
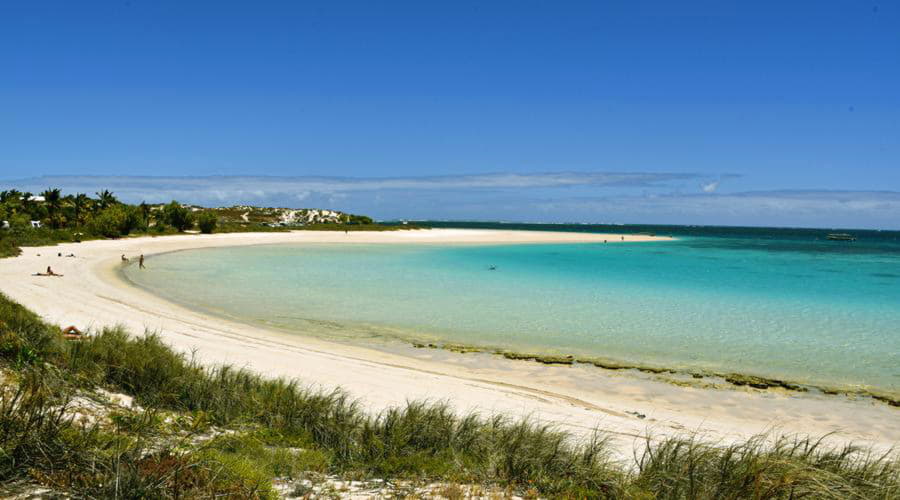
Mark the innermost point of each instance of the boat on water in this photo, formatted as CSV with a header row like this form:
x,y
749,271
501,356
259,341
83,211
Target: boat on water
x,y
841,237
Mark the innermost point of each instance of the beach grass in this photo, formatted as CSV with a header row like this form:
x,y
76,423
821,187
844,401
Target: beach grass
x,y
275,429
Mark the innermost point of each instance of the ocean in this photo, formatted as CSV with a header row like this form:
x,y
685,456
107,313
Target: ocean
x,y
779,303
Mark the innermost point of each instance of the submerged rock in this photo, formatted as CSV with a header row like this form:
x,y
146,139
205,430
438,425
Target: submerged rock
x,y
760,382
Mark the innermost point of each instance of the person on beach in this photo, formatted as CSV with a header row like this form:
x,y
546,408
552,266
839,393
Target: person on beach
x,y
48,273
124,258
141,262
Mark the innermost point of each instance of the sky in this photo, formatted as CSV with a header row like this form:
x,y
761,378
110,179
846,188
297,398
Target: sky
x,y
692,112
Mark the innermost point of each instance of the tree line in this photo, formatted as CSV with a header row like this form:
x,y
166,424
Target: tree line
x,y
103,215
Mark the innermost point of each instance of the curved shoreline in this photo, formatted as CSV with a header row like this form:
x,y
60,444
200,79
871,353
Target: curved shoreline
x,y
683,376
579,398
735,379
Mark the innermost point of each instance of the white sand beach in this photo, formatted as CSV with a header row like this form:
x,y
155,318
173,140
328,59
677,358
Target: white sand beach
x,y
578,398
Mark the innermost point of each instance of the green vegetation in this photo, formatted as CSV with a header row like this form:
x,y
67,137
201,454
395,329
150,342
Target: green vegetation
x,y
219,431
206,222
177,216
77,217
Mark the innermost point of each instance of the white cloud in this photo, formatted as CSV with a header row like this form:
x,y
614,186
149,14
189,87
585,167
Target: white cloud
x,y
552,197
246,189
262,186
878,209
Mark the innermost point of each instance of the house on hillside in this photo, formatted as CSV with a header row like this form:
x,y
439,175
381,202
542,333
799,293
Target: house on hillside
x,y
4,224
38,199
35,224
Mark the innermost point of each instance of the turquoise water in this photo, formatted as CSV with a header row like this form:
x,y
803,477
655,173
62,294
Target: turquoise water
x,y
811,313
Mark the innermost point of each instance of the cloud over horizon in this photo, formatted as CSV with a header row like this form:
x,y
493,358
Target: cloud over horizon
x,y
229,187
649,197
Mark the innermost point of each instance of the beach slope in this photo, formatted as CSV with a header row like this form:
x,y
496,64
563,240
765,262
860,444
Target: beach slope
x,y
91,294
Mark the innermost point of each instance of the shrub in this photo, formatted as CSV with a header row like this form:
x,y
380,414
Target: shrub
x,y
359,219
19,222
109,222
177,216
117,220
207,222
133,221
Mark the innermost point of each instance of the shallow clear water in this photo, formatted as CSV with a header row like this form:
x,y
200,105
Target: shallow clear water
x,y
809,313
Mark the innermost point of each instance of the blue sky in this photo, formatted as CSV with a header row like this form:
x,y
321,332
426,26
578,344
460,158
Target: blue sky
x,y
764,113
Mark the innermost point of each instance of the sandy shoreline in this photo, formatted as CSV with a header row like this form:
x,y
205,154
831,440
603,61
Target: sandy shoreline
x,y
578,398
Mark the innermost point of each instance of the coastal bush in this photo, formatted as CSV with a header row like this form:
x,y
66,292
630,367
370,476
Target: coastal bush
x,y
117,220
206,222
358,219
34,429
24,338
41,443
9,248
109,222
74,216
177,216
134,220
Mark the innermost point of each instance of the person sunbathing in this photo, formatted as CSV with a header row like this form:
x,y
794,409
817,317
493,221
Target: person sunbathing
x,y
48,273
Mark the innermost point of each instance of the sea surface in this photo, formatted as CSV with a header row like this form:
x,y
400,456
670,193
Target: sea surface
x,y
783,303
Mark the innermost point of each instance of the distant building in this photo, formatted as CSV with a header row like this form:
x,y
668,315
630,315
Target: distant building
x,y
36,224
39,199
4,224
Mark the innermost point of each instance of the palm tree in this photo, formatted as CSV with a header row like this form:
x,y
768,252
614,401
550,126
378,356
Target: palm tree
x,y
12,195
145,212
13,201
53,201
80,203
105,199
28,205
